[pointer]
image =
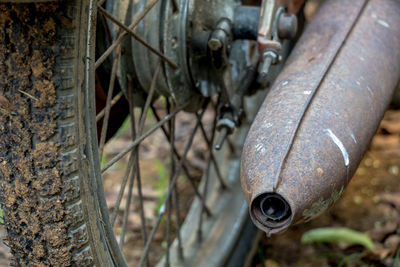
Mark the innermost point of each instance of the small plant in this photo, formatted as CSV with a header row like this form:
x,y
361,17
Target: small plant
x,y
1,216
103,160
337,234
260,254
124,128
344,259
149,112
397,258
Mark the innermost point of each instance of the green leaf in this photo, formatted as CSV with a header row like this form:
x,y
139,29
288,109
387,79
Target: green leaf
x,y
337,234
103,160
1,216
397,258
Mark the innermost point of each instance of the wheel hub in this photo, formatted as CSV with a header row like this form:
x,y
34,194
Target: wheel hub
x,y
198,40
181,32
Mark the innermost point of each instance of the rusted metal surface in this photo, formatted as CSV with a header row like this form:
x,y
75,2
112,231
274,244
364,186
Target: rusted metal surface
x,y
319,117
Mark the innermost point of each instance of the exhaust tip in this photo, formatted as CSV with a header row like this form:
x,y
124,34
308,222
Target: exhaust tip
x,y
274,207
272,211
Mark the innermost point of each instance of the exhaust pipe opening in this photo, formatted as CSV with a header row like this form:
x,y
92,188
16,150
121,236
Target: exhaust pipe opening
x,y
271,210
274,207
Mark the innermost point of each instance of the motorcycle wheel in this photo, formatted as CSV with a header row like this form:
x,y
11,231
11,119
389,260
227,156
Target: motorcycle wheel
x,y
53,201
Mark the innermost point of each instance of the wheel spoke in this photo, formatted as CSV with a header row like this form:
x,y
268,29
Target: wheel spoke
x,y
185,168
132,169
212,156
114,101
209,144
180,165
169,213
136,161
142,121
127,209
149,99
140,139
122,35
175,202
111,86
139,39
140,193
169,193
123,185
172,174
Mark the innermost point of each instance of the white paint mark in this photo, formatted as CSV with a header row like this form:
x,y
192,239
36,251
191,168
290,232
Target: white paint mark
x,y
374,15
260,148
307,92
358,82
285,83
362,59
339,143
353,137
383,23
268,125
370,91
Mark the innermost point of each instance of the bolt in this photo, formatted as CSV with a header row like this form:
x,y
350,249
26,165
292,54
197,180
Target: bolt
x,y
265,67
214,44
220,35
270,57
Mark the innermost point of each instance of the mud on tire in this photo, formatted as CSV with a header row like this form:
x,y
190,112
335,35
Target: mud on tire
x,y
40,152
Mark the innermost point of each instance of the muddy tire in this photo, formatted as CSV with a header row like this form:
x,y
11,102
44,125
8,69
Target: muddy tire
x,y
47,201
49,194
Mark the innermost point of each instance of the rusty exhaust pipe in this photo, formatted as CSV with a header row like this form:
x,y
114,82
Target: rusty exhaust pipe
x,y
319,117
